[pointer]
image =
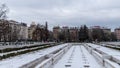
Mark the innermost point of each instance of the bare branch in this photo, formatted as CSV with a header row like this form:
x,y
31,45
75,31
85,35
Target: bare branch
x,y
3,11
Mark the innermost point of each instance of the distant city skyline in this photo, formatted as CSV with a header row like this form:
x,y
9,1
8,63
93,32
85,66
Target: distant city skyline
x,y
66,12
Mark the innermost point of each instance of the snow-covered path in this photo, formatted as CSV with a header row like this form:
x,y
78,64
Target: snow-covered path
x,y
77,57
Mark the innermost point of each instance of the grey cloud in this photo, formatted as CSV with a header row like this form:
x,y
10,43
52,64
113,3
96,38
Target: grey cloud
x,y
66,12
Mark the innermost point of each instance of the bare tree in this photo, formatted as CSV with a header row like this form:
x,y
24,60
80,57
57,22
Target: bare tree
x,y
3,11
4,24
5,30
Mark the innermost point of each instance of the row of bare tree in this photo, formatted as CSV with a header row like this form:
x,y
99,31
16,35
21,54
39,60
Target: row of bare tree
x,y
40,33
4,24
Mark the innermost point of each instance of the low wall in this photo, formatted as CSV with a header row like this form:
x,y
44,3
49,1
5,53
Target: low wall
x,y
54,59
109,64
46,59
116,59
106,60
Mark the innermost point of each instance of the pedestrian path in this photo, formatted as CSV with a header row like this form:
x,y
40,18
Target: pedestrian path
x,y
77,57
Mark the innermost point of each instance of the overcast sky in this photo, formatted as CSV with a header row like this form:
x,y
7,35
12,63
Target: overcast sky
x,y
66,12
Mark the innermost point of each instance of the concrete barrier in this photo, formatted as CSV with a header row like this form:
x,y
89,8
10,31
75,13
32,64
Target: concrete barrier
x,y
106,60
115,59
48,63
110,64
98,56
44,59
33,63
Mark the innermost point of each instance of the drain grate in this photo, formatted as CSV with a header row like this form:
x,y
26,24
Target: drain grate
x,y
86,66
67,65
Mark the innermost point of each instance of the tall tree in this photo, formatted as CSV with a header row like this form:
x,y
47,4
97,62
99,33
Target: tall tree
x,y
4,25
5,30
113,37
83,33
97,34
46,31
3,11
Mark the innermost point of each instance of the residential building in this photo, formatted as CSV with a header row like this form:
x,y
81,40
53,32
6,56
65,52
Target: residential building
x,y
15,30
23,34
56,32
117,33
31,29
74,34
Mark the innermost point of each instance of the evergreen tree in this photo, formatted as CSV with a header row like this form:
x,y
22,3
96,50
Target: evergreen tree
x,y
83,33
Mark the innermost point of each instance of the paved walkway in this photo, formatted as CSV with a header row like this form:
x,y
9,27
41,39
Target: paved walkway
x,y
77,57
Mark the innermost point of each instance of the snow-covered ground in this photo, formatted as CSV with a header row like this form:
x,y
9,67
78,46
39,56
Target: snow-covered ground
x,y
18,61
77,57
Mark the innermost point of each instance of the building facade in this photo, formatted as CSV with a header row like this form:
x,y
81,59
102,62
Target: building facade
x,y
23,34
65,34
31,29
11,30
74,33
56,33
117,33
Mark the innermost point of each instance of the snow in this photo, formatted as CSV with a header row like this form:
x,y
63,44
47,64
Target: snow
x,y
77,57
115,54
47,60
106,50
112,63
16,62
